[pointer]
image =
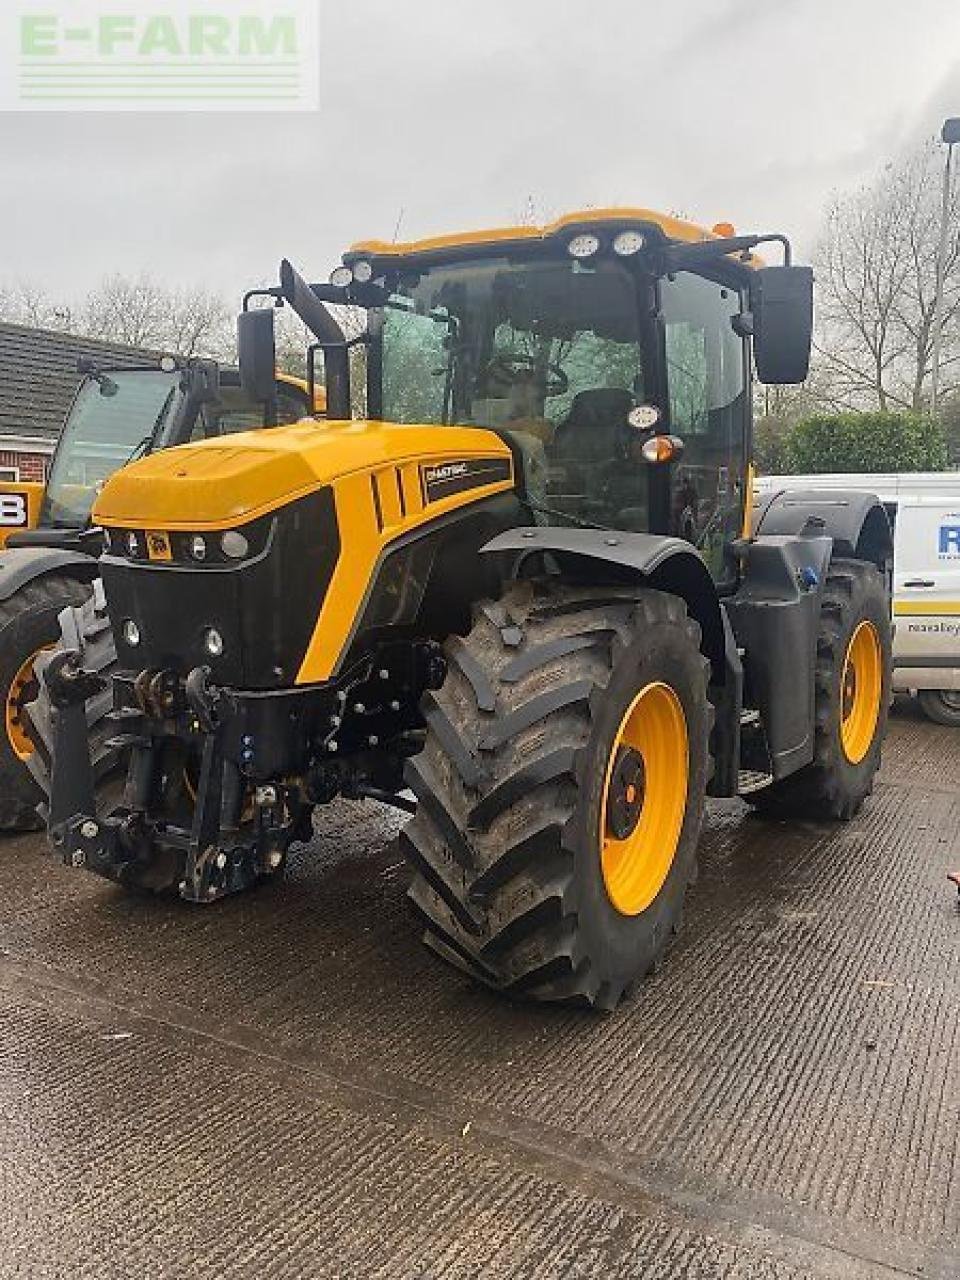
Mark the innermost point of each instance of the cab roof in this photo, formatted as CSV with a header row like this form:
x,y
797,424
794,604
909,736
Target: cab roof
x,y
670,228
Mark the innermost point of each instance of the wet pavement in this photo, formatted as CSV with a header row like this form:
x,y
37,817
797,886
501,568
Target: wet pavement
x,y
288,1085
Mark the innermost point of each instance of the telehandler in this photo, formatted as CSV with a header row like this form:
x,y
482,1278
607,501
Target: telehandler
x,y
49,561
527,585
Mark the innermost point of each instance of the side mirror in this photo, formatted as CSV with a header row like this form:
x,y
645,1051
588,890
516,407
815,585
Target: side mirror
x,y
782,305
257,350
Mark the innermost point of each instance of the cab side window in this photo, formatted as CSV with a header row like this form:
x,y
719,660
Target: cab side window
x,y
707,384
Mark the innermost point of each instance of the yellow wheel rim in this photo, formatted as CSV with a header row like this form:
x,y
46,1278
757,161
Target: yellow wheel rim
x,y
861,691
23,689
644,799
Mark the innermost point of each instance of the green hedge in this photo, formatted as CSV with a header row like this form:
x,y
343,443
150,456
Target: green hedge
x,y
865,442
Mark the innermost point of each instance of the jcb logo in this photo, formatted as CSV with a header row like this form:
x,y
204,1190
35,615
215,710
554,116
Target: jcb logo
x,y
950,540
13,511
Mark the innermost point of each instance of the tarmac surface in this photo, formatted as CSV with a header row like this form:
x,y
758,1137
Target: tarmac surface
x,y
288,1085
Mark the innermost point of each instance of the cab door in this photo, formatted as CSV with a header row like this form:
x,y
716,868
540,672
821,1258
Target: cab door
x,y
709,407
927,590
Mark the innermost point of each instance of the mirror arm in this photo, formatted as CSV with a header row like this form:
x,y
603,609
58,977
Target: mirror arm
x,y
678,256
262,293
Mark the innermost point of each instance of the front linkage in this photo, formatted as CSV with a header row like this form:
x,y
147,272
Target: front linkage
x,y
220,783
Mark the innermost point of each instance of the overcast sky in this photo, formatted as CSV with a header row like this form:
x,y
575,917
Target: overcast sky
x,y
458,112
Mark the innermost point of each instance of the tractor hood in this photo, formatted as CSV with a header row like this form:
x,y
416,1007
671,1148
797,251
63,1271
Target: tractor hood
x,y
312,512
221,483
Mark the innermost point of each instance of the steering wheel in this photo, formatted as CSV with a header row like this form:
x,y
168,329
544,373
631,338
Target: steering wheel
x,y
509,369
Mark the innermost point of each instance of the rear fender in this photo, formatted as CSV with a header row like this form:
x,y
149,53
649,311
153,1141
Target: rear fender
x,y
856,521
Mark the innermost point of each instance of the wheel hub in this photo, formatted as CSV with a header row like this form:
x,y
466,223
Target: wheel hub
x,y
861,692
628,784
644,798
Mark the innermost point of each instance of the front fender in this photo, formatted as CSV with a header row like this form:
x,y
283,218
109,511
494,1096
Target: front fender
x,y
21,565
601,556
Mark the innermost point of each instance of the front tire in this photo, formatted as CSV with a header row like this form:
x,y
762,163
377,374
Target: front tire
x,y
853,697
561,791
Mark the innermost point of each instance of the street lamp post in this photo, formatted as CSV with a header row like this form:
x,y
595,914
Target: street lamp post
x,y
950,134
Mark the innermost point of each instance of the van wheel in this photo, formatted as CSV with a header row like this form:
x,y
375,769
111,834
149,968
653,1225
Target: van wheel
x,y
941,705
28,626
852,701
561,791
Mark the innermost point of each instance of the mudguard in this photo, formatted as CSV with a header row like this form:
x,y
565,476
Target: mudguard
x,y
669,564
21,565
856,521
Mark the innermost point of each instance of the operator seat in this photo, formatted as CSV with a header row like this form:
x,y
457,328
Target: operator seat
x,y
594,427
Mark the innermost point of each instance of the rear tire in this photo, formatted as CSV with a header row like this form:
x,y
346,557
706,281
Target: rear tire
x,y
840,778
85,628
28,625
511,846
941,706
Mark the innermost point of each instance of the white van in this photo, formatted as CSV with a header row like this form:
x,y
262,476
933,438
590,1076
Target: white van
x,y
924,510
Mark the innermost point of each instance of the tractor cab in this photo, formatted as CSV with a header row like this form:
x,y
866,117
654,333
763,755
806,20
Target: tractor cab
x,y
612,351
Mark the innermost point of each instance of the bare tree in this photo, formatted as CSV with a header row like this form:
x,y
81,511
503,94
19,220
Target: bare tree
x,y
198,322
876,284
141,312
23,302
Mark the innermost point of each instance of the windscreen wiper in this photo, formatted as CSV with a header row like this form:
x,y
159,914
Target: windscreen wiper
x,y
148,439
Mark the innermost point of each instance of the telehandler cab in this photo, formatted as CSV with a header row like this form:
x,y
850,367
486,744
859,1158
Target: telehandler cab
x,y
49,562
527,585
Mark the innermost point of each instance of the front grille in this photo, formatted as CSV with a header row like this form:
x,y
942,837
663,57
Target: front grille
x,y
265,608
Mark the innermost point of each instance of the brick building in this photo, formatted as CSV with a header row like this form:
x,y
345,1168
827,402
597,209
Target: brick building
x,y
38,378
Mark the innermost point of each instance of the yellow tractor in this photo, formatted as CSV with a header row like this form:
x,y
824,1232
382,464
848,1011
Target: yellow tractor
x,y
526,586
49,548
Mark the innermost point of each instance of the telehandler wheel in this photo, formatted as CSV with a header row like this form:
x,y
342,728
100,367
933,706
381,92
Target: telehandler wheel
x,y
86,628
852,701
561,790
28,626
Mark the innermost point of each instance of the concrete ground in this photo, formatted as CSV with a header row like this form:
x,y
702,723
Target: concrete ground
x,y
287,1085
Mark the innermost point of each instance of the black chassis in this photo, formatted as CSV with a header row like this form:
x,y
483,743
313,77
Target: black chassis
x,y
235,774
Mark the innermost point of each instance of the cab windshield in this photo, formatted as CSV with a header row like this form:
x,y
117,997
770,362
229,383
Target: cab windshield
x,y
549,353
113,418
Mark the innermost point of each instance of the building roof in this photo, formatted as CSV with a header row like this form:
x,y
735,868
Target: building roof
x,y
38,376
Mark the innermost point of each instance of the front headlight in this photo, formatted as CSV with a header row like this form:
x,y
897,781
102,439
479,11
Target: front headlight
x,y
234,545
